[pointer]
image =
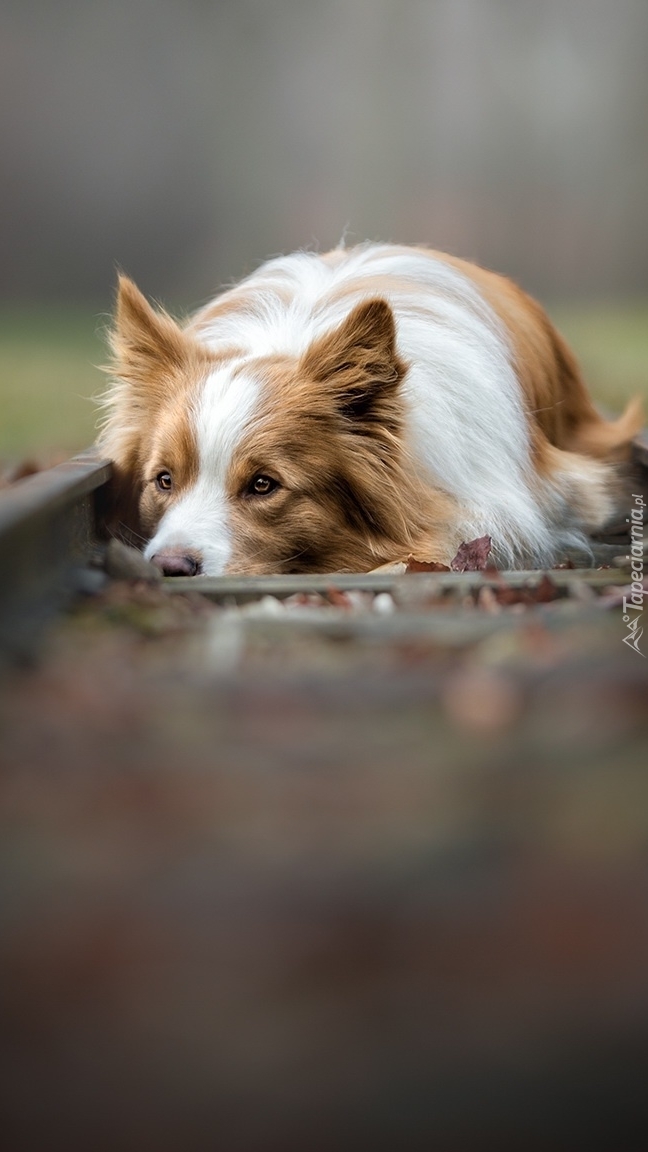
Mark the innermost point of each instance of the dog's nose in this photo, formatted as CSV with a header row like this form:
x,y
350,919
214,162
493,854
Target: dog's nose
x,y
177,562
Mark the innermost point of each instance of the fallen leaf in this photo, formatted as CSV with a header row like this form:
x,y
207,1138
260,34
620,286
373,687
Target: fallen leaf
x,y
472,556
541,593
414,565
545,591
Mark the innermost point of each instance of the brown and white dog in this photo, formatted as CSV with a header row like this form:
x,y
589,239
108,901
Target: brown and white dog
x,y
336,412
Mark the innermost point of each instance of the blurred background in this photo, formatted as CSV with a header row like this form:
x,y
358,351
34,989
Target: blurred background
x,y
316,891
187,140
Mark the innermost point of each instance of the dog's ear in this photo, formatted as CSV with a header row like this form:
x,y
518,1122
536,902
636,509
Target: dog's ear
x,y
148,346
358,362
151,355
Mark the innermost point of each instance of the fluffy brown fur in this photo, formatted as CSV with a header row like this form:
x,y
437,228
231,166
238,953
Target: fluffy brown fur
x,y
330,431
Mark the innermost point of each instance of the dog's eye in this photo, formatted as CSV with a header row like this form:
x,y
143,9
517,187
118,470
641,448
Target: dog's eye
x,y
164,481
262,486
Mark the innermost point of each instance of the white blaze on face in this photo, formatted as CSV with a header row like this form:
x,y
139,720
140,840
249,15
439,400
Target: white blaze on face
x,y
199,520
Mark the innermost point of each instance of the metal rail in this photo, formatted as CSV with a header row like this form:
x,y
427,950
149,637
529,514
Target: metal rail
x,y
242,589
49,526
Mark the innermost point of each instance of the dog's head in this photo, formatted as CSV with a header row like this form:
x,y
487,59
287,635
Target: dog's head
x,y
231,462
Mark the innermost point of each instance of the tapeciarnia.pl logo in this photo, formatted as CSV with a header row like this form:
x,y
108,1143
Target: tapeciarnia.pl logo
x,y
633,603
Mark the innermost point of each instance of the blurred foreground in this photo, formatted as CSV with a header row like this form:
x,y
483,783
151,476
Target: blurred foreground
x,y
275,888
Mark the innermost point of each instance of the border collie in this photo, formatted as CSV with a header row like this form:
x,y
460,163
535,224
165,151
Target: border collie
x,y
337,412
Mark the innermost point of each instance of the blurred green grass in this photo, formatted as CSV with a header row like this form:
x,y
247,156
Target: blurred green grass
x,y
48,377
48,373
611,342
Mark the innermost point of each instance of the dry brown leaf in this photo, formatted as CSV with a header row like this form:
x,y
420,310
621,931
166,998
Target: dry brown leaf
x,y
414,565
541,593
545,591
472,556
